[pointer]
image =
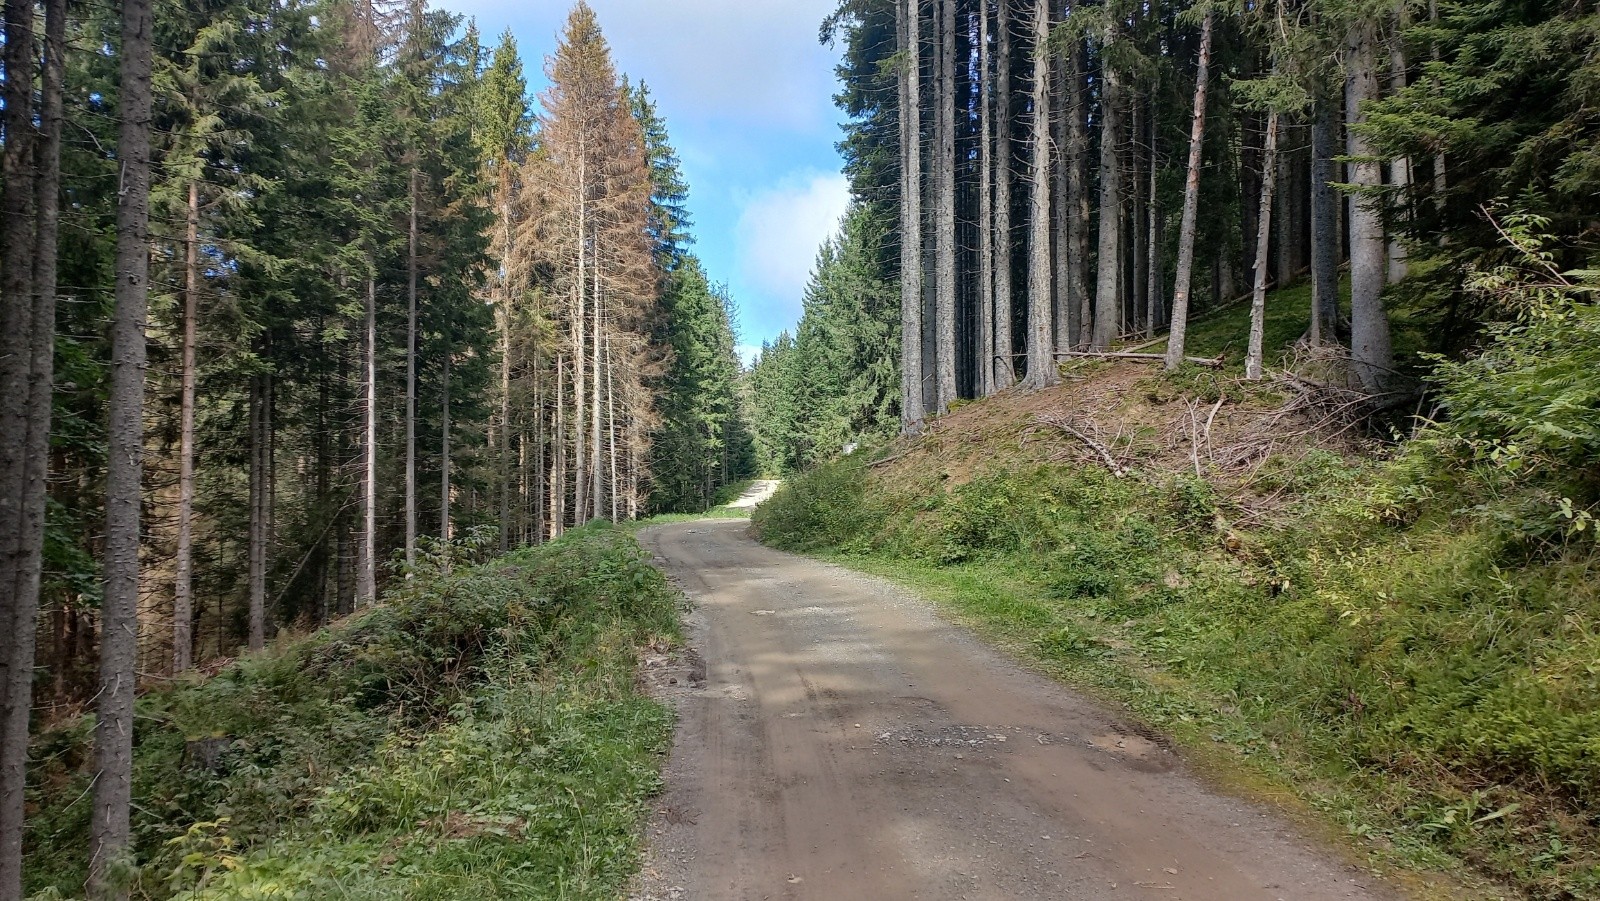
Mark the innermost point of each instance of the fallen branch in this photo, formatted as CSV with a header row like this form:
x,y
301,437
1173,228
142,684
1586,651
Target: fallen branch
x,y
1064,425
889,459
1213,362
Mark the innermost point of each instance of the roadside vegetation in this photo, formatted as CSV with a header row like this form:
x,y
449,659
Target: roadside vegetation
x,y
479,735
1402,632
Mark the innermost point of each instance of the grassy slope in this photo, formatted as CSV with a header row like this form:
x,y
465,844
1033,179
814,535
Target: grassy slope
x,y
478,736
1347,636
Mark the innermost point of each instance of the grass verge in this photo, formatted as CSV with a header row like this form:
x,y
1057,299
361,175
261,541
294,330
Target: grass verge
x,y
1381,651
479,735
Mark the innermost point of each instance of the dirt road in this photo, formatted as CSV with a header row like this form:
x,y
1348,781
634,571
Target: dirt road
x,y
839,741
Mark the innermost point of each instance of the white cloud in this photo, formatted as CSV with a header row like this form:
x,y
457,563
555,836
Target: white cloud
x,y
780,230
747,353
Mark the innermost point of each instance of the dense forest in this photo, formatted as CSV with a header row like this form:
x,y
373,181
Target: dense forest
x,y
1046,180
299,297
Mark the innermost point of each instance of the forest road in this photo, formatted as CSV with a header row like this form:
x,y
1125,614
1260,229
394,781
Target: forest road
x,y
838,741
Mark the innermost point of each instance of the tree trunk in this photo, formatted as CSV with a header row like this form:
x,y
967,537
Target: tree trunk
x,y
1139,320
558,458
986,351
611,424
1005,369
1154,290
1400,168
1107,281
445,532
1042,370
1370,350
411,378
257,576
1324,224
1077,153
182,595
119,641
20,598
944,308
367,551
911,410
1258,297
596,483
17,343
504,317
1191,201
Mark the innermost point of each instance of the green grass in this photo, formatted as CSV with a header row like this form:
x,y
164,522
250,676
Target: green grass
x,y
719,509
1426,685
480,735
1225,332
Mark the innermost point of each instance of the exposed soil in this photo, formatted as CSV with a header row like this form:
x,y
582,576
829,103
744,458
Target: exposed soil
x,y
840,741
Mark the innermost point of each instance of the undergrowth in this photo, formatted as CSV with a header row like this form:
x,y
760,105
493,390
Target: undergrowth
x,y
478,735
1401,646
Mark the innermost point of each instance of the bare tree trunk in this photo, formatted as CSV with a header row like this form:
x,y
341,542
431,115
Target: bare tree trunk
x,y
17,344
182,594
1154,290
1440,182
579,324
909,13
257,577
944,308
1139,319
1108,279
504,317
19,599
1005,369
558,467
1370,349
1258,298
595,504
411,379
367,549
1324,225
1077,153
1400,168
444,451
1042,370
1060,209
1191,200
611,423
986,246
119,640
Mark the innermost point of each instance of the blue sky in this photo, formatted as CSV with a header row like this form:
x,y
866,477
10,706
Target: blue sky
x,y
746,90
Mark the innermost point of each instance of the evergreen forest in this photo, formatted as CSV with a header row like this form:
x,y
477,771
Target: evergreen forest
x,y
1237,362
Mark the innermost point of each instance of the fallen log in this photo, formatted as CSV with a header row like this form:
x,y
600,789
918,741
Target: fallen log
x,y
1212,362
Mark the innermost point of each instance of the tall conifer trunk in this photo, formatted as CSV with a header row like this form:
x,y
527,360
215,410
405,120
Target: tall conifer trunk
x,y
411,377
119,639
912,413
944,224
1258,297
1370,350
1324,224
1042,371
1108,281
367,549
1077,153
1191,200
1005,368
182,594
19,598
445,532
986,169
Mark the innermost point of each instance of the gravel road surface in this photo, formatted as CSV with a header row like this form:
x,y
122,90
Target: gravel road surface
x,y
839,741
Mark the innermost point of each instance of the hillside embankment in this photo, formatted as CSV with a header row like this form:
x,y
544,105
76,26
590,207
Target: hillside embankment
x,y
478,735
1380,634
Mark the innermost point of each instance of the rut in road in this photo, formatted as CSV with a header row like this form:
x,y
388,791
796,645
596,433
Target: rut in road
x,y
843,742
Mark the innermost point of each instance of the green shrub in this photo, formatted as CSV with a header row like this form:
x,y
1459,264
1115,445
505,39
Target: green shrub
x,y
478,732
